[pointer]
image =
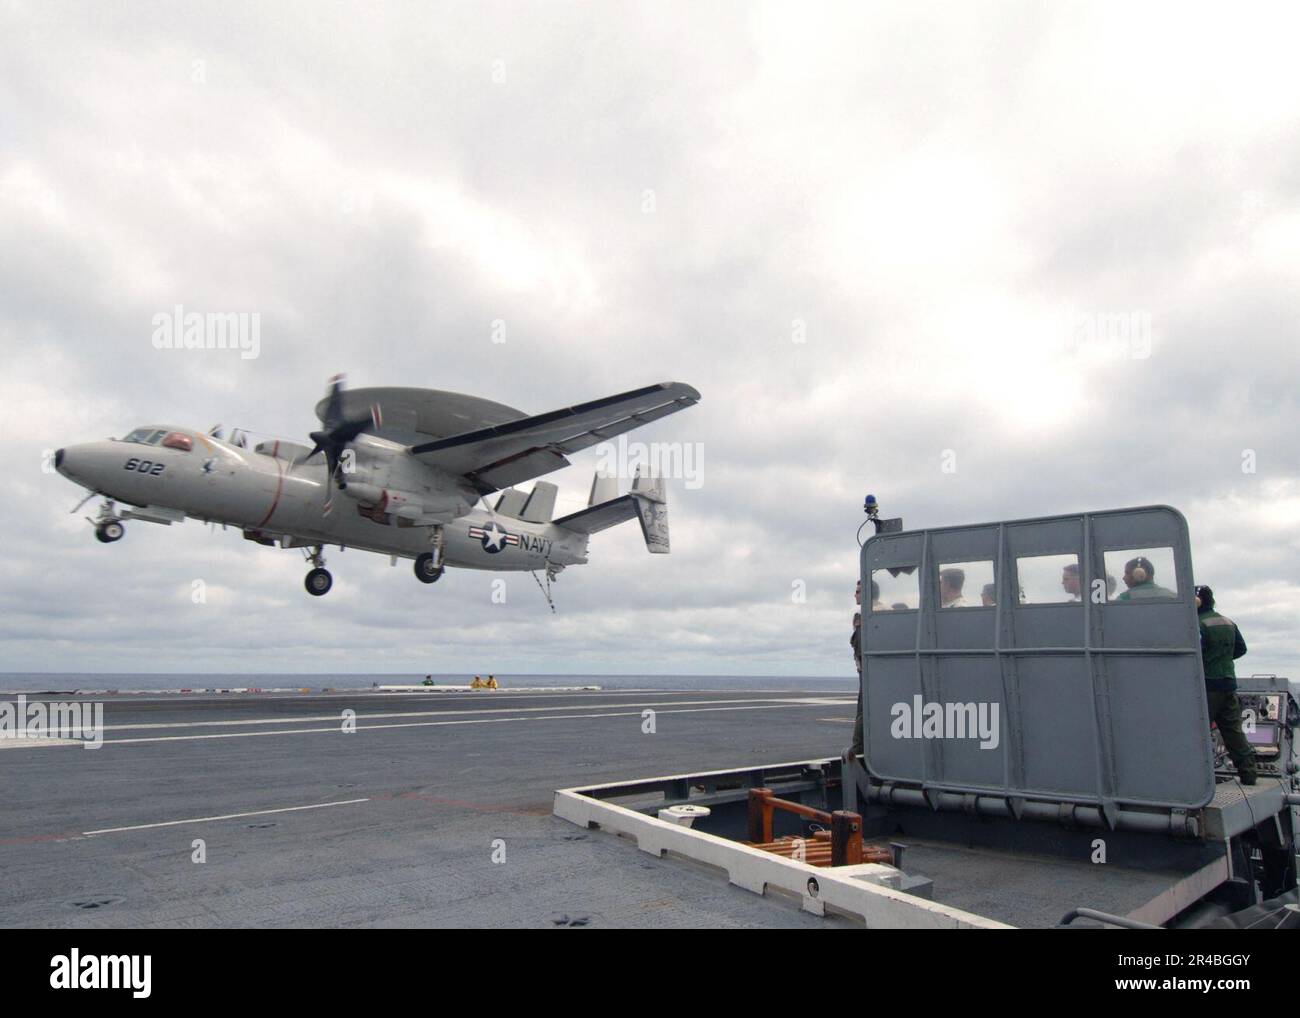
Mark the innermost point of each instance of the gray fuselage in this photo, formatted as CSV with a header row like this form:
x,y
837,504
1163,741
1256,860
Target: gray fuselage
x,y
275,495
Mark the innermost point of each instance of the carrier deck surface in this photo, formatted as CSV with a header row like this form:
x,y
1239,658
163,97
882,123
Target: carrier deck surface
x,y
391,826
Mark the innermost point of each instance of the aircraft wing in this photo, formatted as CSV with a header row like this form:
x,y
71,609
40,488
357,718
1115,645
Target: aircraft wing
x,y
505,454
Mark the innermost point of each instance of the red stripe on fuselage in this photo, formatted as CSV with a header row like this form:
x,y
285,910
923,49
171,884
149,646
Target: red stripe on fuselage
x,y
279,487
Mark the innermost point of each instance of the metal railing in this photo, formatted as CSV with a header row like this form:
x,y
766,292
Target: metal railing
x,y
839,843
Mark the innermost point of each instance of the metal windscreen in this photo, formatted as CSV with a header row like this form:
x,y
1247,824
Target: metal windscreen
x,y
1052,658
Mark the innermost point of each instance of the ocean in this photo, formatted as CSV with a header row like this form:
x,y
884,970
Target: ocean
x,y
61,682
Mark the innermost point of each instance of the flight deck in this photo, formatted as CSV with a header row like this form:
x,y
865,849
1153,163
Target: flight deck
x,y
434,812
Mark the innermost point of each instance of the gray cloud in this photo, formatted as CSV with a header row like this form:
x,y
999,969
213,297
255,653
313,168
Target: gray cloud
x,y
947,206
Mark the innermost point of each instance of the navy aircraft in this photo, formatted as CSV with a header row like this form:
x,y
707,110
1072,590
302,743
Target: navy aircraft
x,y
398,471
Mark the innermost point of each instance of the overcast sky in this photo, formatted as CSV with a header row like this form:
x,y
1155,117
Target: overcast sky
x,y
893,246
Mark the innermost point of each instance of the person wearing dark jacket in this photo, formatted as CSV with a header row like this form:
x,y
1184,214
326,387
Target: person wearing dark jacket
x,y
855,641
1221,645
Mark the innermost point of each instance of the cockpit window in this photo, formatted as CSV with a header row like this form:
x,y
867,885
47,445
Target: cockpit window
x,y
146,436
178,440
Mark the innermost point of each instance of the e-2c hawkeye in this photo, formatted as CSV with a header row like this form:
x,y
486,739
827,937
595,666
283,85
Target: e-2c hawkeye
x,y
397,471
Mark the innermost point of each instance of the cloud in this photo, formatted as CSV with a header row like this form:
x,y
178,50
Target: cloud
x,y
1051,245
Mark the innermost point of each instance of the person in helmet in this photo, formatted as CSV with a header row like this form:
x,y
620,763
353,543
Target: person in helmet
x,y
1140,579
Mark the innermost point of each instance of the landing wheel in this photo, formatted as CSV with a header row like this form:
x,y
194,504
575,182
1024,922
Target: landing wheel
x,y
109,532
318,582
425,570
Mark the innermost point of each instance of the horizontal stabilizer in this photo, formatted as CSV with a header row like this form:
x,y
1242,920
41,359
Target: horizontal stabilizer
x,y
646,502
600,517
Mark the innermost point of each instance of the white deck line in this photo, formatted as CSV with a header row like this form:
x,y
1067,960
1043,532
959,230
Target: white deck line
x,y
336,729
336,717
225,816
755,870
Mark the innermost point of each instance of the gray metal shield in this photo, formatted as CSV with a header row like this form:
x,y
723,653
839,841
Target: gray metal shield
x,y
1098,700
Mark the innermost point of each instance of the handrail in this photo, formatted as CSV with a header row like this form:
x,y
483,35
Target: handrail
x,y
1105,917
846,848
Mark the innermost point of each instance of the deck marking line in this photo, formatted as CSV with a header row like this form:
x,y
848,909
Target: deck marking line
x,y
237,722
227,816
438,724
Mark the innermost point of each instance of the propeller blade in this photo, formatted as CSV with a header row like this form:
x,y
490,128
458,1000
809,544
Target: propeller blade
x,y
334,408
303,459
337,432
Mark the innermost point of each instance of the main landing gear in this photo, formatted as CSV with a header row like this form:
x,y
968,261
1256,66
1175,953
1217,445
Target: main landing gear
x,y
428,565
426,569
319,580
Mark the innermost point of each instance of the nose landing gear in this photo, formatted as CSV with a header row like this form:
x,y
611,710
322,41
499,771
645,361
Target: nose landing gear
x,y
107,533
107,524
319,580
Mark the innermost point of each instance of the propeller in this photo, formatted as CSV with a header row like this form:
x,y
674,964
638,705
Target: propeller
x,y
337,432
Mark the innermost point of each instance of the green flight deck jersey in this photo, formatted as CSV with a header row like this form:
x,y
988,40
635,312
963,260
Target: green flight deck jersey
x,y
1221,644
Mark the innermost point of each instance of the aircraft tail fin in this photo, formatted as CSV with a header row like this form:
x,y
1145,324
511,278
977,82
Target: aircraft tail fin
x,y
540,504
646,502
511,503
535,506
652,508
604,488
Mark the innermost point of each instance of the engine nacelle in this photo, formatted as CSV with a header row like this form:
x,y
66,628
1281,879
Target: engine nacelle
x,y
391,486
404,506
372,496
283,450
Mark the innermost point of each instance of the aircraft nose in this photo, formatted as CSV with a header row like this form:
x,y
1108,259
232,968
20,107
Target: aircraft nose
x,y
69,461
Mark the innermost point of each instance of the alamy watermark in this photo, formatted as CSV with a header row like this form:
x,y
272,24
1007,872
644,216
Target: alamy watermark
x,y
75,971
54,719
1110,335
921,720
179,329
677,460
